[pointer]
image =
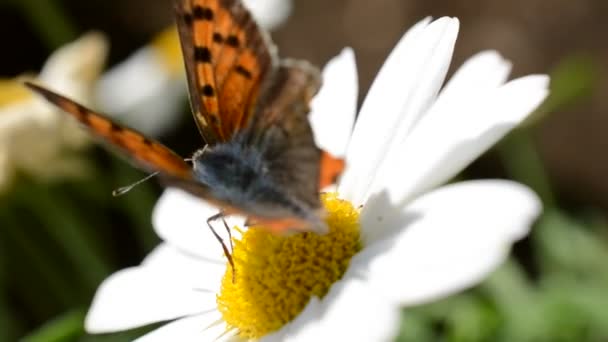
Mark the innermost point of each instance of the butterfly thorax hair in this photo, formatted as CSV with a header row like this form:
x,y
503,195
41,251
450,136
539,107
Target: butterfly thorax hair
x,y
237,174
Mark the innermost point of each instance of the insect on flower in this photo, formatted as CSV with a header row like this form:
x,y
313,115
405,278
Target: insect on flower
x,y
259,158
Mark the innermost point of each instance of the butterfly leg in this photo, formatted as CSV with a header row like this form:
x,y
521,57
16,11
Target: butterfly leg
x,y
229,233
221,241
231,245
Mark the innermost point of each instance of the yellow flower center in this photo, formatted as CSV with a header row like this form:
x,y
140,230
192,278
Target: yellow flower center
x,y
277,275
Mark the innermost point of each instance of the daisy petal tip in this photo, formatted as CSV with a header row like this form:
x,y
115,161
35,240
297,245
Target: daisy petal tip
x,y
530,90
422,23
346,57
95,323
343,65
530,207
335,106
453,23
444,28
492,57
543,80
100,317
347,53
92,324
533,82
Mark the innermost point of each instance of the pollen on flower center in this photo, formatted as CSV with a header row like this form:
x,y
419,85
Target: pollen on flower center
x,y
277,275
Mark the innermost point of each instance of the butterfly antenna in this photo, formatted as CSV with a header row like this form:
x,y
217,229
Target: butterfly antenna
x,y
124,189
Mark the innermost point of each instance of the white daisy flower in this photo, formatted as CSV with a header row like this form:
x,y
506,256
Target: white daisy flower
x,y
35,135
148,88
395,239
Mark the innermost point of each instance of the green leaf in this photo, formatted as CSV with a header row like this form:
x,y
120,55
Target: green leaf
x,y
572,81
518,304
415,327
66,327
566,245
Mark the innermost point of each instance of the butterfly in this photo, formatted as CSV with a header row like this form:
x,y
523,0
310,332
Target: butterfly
x,y
259,159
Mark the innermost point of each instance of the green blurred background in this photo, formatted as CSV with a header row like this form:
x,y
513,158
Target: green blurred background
x,y
60,239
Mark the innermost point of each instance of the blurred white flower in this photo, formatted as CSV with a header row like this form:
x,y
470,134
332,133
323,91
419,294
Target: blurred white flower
x,y
147,90
270,14
34,135
413,243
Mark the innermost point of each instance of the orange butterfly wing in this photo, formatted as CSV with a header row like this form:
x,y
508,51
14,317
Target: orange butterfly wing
x,y
329,170
148,154
227,58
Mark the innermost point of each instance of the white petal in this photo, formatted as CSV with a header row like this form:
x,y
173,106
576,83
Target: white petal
x,y
307,319
456,131
269,13
351,311
404,88
484,70
445,241
74,67
141,92
181,219
335,106
192,271
190,329
169,285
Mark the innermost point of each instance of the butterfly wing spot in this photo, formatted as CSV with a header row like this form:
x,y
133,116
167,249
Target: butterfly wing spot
x,y
202,13
243,72
202,54
232,41
207,90
218,38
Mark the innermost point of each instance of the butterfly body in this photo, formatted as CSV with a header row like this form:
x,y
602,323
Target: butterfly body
x,y
238,176
260,159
